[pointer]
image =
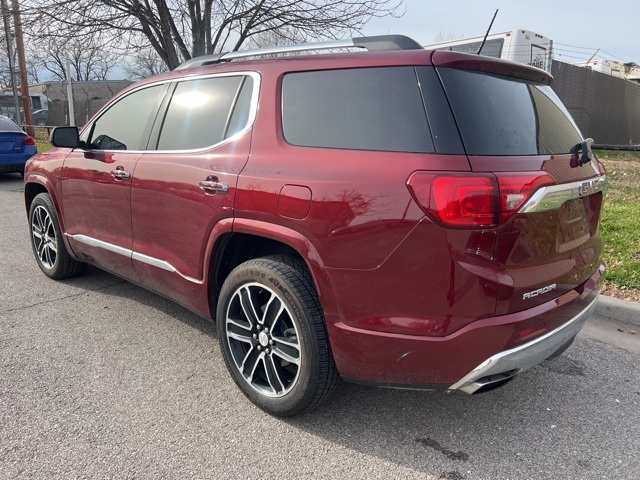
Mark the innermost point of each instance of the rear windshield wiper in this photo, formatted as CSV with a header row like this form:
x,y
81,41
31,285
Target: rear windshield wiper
x,y
585,148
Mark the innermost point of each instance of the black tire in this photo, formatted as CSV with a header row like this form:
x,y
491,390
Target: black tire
x,y
282,362
47,243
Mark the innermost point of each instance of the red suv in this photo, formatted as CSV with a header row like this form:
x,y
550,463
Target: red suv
x,y
399,217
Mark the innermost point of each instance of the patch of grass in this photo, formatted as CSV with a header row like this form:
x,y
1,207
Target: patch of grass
x,y
621,219
42,139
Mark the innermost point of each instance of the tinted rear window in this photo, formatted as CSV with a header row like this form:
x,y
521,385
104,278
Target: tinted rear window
x,y
7,125
359,109
505,116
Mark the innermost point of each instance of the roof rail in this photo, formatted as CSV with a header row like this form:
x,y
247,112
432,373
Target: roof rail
x,y
375,43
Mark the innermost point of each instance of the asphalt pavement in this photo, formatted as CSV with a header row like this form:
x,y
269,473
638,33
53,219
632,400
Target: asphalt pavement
x,y
103,379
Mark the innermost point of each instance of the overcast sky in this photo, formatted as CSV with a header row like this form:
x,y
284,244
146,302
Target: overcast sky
x,y
578,29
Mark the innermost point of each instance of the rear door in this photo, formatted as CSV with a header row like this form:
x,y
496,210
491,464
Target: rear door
x,y
538,57
519,131
185,183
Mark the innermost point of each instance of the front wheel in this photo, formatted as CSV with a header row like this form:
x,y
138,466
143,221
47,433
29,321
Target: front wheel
x,y
46,239
273,336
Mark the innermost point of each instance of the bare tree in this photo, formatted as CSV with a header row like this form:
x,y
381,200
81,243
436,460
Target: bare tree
x,y
5,74
282,36
447,37
88,59
181,29
143,64
33,72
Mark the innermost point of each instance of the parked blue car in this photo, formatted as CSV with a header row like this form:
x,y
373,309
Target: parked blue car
x,y
16,147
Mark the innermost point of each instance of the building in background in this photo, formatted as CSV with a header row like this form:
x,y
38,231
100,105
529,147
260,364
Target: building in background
x,y
88,98
49,103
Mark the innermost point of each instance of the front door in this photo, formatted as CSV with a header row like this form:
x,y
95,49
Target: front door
x,y
97,178
96,195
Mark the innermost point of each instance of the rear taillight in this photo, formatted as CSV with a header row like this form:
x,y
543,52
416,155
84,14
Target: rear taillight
x,y
474,200
517,188
28,141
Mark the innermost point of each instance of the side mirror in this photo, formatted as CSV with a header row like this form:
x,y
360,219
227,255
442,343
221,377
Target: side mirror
x,y
66,137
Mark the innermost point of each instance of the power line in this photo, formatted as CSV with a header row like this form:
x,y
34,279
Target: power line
x,y
573,46
612,55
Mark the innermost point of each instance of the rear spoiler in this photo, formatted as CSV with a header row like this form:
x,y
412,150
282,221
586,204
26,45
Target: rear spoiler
x,y
466,61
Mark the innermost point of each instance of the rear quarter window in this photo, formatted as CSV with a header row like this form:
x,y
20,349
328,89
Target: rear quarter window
x,y
505,116
359,109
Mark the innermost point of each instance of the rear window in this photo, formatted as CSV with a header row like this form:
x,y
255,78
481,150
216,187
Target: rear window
x,y
7,125
358,109
504,116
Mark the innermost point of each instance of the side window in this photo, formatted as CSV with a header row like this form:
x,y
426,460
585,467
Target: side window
x,y
359,109
124,126
491,48
240,115
199,114
36,103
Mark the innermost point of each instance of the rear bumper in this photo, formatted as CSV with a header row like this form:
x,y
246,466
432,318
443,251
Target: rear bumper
x,y
507,343
12,167
513,361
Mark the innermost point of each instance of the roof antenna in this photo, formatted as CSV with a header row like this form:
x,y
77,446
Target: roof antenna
x,y
487,34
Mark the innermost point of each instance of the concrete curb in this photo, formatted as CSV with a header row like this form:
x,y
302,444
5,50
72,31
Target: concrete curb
x,y
619,311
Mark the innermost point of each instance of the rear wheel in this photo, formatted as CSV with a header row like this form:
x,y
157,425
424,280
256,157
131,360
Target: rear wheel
x,y
46,239
273,337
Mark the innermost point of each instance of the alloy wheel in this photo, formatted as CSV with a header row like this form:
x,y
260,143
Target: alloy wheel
x,y
263,340
44,238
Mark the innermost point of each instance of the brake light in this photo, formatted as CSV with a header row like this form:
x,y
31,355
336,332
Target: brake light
x,y
28,141
475,200
516,189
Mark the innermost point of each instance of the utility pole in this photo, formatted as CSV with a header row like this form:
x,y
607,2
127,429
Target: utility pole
x,y
7,29
22,64
72,113
591,57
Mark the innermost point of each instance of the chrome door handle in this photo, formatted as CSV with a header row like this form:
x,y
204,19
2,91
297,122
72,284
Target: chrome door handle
x,y
120,174
213,186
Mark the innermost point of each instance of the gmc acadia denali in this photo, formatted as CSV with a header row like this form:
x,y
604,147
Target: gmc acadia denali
x,y
397,216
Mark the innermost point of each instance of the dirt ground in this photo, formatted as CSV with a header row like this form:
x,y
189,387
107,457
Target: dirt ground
x,y
622,294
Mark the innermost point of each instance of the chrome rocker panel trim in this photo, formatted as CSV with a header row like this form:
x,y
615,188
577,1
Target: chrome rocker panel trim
x,y
155,262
